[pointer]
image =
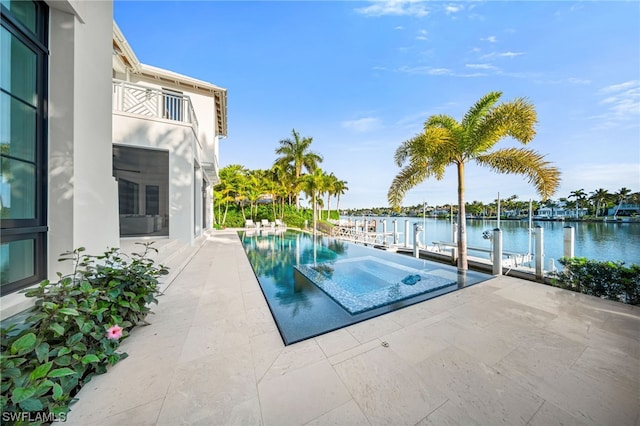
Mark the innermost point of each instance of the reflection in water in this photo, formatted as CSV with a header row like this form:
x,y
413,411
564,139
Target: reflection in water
x,y
302,309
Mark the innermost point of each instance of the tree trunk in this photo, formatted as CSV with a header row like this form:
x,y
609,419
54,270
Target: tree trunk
x,y
462,222
315,210
224,218
328,206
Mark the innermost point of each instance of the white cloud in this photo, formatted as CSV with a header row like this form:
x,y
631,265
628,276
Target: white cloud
x,y
509,54
399,27
422,35
379,68
622,103
361,125
453,8
490,39
482,67
424,70
395,7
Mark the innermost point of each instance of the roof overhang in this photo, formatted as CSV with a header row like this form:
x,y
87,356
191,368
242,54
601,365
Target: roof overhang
x,y
126,60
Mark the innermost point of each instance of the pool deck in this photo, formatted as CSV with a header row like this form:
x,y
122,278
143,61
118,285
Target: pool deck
x,y
506,351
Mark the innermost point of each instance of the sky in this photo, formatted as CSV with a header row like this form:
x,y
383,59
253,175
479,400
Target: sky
x,y
362,77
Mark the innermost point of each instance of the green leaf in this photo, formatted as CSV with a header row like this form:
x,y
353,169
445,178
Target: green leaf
x,y
31,404
63,360
21,394
69,311
43,387
57,328
42,352
41,371
24,344
79,347
61,372
57,392
113,293
85,287
90,358
74,339
63,351
10,373
124,303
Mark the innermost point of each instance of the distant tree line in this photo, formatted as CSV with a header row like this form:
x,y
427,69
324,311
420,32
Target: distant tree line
x,y
275,193
596,202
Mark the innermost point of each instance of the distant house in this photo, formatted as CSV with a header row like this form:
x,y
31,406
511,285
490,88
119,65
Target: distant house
x,y
560,212
623,209
94,145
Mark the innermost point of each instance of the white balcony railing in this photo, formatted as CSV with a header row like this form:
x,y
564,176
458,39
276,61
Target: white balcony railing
x,y
141,100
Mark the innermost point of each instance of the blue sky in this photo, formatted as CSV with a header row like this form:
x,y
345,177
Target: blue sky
x,y
361,77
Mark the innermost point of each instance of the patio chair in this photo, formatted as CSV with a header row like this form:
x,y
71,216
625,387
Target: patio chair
x,y
280,224
250,224
266,224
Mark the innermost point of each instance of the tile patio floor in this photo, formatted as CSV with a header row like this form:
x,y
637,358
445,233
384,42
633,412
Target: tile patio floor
x,y
506,351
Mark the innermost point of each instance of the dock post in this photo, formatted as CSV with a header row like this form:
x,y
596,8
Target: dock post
x,y
497,251
539,253
569,242
454,232
395,231
384,231
416,248
406,233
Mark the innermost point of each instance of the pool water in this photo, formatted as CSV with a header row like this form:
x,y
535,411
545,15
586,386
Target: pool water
x,y
314,285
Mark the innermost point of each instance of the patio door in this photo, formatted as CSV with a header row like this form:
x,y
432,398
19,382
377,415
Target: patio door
x,y
143,190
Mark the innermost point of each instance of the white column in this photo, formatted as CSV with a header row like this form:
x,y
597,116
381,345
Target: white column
x,y
539,235
497,251
568,242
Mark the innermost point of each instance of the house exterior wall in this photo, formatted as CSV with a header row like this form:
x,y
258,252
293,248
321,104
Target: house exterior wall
x,y
189,148
180,141
82,193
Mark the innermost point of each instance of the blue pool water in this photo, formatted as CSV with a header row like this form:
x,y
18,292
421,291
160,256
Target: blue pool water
x,y
314,285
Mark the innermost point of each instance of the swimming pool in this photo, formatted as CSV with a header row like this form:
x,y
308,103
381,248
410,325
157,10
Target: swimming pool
x,y
314,285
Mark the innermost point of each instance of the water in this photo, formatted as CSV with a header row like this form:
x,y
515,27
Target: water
x,y
598,241
285,264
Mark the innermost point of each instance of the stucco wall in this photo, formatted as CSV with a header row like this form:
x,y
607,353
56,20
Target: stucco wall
x,y
82,198
180,141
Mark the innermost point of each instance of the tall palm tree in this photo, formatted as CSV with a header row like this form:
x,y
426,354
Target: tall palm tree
x,y
340,187
329,189
600,196
312,185
579,195
446,141
296,152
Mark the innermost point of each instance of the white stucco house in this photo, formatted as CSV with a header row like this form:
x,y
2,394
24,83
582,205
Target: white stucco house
x,y
94,145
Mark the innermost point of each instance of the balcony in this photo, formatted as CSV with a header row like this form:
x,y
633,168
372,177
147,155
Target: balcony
x,y
141,100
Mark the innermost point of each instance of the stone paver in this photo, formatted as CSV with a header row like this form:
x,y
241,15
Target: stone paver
x,y
506,351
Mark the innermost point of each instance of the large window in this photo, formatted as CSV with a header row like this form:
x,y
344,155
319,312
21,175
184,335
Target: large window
x,y
23,142
143,190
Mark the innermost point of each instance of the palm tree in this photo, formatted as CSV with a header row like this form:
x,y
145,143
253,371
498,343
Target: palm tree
x,y
340,187
312,185
446,141
579,195
600,196
329,188
296,152
231,186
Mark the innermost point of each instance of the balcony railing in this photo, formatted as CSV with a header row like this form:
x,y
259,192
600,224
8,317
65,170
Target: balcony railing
x,y
136,99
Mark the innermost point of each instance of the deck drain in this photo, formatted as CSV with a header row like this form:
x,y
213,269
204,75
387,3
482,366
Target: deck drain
x,y
385,344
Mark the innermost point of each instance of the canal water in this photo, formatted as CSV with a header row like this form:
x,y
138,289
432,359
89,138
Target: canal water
x,y
598,241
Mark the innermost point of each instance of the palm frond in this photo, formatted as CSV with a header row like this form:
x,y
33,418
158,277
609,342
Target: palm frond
x,y
441,120
480,109
406,179
516,118
527,162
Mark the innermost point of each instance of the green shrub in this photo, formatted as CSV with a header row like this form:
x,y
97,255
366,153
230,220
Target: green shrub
x,y
74,330
609,280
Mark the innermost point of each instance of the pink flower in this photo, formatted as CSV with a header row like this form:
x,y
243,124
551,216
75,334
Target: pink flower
x,y
114,332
